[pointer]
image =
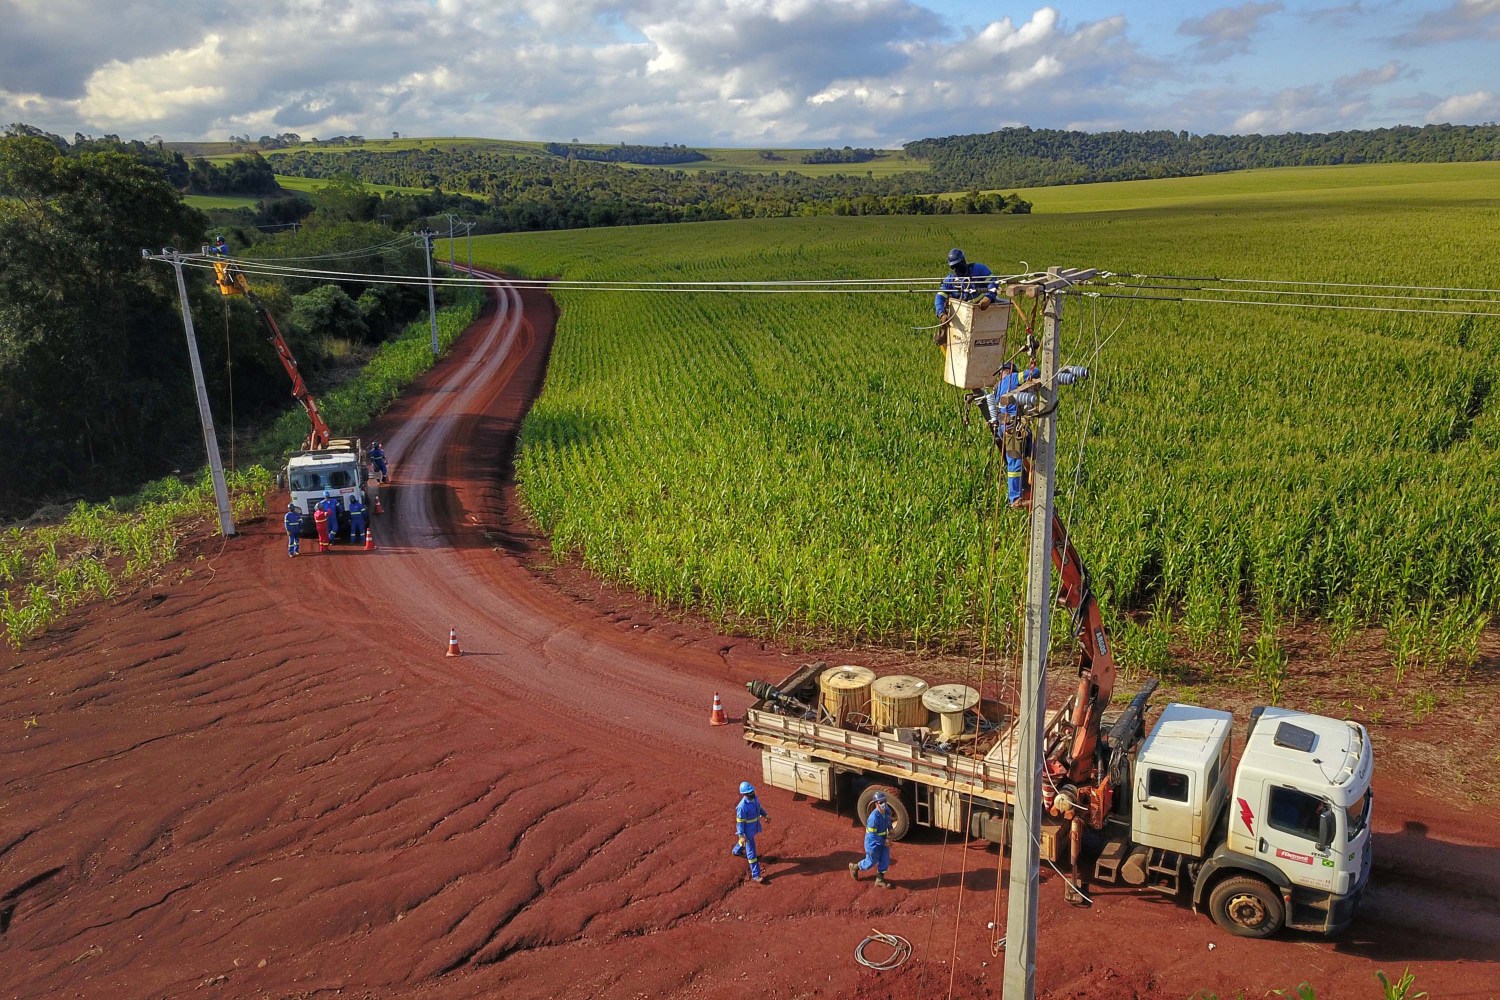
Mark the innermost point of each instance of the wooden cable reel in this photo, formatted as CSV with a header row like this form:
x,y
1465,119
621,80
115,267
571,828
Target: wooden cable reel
x,y
846,692
896,701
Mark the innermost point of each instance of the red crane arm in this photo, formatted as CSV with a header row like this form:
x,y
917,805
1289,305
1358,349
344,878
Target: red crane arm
x,y
320,432
1096,661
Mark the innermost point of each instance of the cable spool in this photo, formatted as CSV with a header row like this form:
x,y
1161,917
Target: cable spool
x,y
950,702
846,692
896,701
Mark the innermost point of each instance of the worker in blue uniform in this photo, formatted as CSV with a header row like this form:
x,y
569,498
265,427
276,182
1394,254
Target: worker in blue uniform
x,y
293,521
377,459
748,817
1012,435
877,841
965,282
356,521
331,507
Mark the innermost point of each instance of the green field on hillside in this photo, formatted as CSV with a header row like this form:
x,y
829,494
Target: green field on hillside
x,y
304,185
797,459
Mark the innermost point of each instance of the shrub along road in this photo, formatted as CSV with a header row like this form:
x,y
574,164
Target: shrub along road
x,y
267,779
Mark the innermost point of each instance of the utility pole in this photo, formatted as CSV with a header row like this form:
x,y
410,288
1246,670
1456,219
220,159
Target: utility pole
x,y
469,239
1026,823
205,416
451,220
426,236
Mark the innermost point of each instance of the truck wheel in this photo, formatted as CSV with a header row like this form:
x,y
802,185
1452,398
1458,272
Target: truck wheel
x,y
900,819
1246,907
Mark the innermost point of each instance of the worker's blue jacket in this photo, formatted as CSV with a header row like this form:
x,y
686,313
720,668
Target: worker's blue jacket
x,y
356,509
877,829
965,288
1007,384
293,521
747,817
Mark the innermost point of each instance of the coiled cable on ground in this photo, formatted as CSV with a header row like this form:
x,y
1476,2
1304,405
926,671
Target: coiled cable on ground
x,y
900,951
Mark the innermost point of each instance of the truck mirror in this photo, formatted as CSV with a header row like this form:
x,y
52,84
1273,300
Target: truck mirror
x,y
281,480
1326,828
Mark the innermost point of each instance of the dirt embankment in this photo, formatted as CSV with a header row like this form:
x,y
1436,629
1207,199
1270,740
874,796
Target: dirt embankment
x,y
267,780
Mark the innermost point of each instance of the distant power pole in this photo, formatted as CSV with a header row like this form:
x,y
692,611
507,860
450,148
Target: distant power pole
x,y
451,220
469,239
426,236
205,415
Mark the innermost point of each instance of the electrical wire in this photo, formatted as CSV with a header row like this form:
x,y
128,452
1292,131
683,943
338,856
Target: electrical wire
x,y
900,951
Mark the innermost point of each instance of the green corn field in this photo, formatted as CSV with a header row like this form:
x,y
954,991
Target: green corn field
x,y
795,461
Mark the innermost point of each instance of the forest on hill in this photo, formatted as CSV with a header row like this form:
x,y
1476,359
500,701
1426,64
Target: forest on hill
x,y
1028,157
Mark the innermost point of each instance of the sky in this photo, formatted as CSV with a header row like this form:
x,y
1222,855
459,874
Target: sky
x,y
743,73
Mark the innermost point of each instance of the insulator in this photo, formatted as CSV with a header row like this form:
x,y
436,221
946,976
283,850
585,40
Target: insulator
x,y
762,691
1071,374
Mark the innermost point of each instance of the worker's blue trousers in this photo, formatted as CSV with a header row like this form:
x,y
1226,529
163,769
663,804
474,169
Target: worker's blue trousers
x,y
357,529
748,853
294,540
878,858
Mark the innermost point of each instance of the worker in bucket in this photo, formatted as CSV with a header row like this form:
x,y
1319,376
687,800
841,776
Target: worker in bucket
x,y
1010,433
965,282
748,817
330,507
377,459
877,842
356,521
293,521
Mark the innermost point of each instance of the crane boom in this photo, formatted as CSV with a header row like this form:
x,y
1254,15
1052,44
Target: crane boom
x,y
232,282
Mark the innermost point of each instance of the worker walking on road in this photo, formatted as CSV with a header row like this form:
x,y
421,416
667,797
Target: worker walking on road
x,y
877,842
748,817
330,508
293,521
356,521
377,459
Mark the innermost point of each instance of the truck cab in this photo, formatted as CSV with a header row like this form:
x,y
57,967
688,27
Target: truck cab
x,y
341,469
1182,780
1300,814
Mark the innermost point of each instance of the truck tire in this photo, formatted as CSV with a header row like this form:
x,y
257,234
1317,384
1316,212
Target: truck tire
x,y
1246,907
900,820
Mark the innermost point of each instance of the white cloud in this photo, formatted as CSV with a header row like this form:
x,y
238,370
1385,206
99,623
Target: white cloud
x,y
1481,105
721,72
1227,31
1463,20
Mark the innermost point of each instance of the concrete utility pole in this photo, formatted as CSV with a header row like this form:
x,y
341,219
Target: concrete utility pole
x,y
451,221
469,238
205,416
426,236
1026,823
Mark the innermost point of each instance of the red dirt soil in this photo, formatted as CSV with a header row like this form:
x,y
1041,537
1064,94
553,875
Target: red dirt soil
x,y
267,780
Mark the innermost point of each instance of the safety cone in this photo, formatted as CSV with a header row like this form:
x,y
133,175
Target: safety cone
x,y
716,718
369,539
378,509
453,649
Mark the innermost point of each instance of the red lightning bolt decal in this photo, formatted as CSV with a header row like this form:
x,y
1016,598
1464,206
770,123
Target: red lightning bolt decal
x,y
1247,816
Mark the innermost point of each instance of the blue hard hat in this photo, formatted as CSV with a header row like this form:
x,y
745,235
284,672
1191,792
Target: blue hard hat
x,y
746,788
878,797
955,257
327,493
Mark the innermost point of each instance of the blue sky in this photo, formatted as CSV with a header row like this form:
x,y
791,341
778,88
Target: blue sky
x,y
742,72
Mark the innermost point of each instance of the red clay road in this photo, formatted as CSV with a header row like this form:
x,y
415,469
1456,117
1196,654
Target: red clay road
x,y
266,780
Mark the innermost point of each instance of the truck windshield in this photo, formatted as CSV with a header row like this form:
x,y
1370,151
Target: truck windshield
x,y
306,479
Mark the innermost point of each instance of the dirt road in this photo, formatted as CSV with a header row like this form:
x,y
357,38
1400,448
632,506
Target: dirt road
x,y
267,780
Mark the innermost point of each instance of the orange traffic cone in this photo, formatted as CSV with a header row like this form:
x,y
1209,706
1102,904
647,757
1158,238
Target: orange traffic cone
x,y
378,509
716,718
369,539
453,649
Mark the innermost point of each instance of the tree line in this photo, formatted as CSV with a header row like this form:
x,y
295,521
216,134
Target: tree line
x,y
1028,157
525,193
